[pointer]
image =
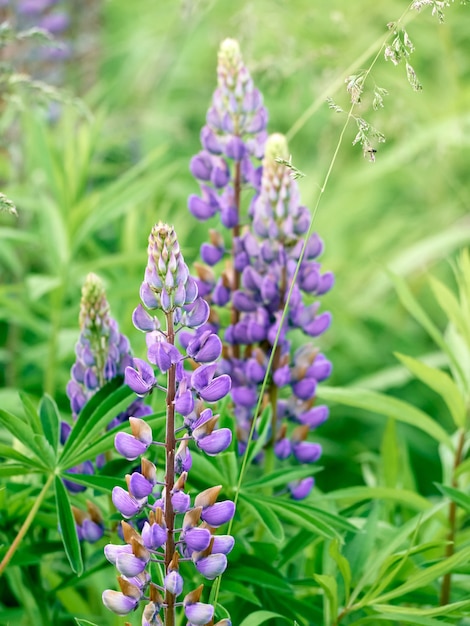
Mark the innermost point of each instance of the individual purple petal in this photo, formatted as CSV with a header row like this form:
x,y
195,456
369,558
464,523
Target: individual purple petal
x,y
143,321
184,403
300,489
140,380
199,313
306,452
244,302
218,441
130,565
211,254
211,566
223,544
173,582
318,325
199,613
91,531
181,502
112,551
219,513
209,141
128,446
197,539
217,389
55,23
305,389
202,376
244,396
314,417
326,283
320,369
153,536
125,503
205,348
281,376
235,148
118,603
201,166
163,355
282,448
200,209
139,486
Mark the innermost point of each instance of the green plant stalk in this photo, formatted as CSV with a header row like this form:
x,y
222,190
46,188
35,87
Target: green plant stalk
x,y
26,524
170,444
447,579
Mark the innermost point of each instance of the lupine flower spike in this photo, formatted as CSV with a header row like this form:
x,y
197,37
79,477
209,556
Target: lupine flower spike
x,y
169,290
233,142
102,353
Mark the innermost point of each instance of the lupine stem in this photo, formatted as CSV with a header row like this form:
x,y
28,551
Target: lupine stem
x,y
170,444
446,581
235,314
26,524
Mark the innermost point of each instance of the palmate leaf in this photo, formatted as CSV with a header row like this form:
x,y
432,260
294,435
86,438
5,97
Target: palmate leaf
x,y
106,442
441,383
32,441
7,452
385,405
98,412
68,528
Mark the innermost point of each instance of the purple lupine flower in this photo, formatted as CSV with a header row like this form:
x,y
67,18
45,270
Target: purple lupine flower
x,y
169,288
266,257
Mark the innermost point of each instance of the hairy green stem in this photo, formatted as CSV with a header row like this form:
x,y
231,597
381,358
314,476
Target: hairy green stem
x,y
170,444
26,524
450,547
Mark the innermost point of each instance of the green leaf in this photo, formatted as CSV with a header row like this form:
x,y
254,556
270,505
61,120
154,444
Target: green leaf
x,y
241,591
50,420
265,515
446,609
68,528
415,309
106,404
441,383
460,498
426,576
343,566
15,469
7,452
451,307
387,406
23,432
84,622
406,618
31,412
329,586
106,441
280,477
412,499
301,515
96,481
259,617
